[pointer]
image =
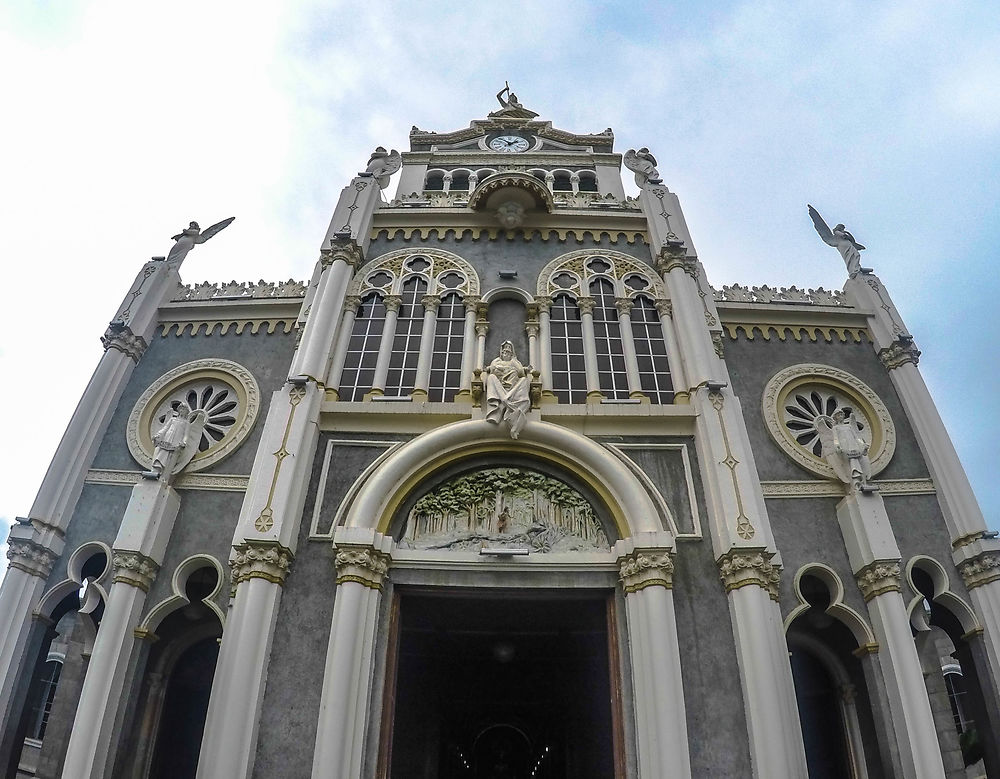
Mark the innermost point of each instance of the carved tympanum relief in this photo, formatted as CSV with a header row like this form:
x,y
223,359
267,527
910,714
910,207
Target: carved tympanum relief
x,y
224,392
804,405
504,507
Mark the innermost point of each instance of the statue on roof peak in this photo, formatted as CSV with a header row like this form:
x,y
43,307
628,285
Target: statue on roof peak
x,y
511,107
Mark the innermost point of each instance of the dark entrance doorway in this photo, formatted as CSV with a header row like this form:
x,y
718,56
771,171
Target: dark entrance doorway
x,y
504,687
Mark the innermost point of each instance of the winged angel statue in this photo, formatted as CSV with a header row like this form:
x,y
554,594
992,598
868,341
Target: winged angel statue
x,y
845,443
841,240
382,165
643,164
186,239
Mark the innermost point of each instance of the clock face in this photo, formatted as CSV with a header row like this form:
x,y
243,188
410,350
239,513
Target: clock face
x,y
509,144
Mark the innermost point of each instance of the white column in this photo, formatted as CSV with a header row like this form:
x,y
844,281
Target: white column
x,y
586,306
545,348
351,305
392,304
677,375
471,303
446,182
692,319
422,381
574,182
980,570
531,329
624,306
362,560
647,579
550,180
482,328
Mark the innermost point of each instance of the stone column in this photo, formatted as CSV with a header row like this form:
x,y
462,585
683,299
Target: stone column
x,y
531,329
137,554
422,381
469,343
586,306
646,568
482,328
677,374
392,304
874,557
544,303
624,306
980,569
362,560
351,305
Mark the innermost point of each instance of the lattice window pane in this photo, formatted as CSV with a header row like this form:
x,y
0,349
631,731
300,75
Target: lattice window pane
x,y
362,350
446,360
569,377
42,707
651,352
607,334
406,343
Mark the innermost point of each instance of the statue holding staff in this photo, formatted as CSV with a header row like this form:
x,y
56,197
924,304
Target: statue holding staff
x,y
507,390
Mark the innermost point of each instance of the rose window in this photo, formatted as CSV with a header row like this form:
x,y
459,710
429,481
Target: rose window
x,y
216,399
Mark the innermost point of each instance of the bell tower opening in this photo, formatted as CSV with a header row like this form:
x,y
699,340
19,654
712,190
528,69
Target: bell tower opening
x,y
502,686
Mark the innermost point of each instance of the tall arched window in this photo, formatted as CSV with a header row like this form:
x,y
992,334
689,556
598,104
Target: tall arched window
x,y
569,371
446,359
651,351
406,343
362,349
607,334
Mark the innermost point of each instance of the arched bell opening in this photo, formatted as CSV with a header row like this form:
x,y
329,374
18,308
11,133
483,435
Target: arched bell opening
x,y
831,684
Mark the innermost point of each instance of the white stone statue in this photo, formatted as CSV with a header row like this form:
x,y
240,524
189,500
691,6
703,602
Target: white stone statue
x,y
643,164
507,390
511,107
176,442
383,164
842,241
845,447
186,239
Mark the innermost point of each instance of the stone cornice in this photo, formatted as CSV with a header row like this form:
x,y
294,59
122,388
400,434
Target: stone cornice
x,y
878,578
134,568
30,557
981,569
646,568
743,567
266,560
364,565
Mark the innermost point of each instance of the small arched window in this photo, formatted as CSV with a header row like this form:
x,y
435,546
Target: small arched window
x,y
459,181
569,372
651,351
607,335
362,350
588,181
434,181
406,343
562,182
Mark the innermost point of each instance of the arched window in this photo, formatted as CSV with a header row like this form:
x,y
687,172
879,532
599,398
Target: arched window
x,y
651,351
46,694
434,181
569,372
406,343
607,335
362,349
955,685
460,181
562,182
446,360
588,181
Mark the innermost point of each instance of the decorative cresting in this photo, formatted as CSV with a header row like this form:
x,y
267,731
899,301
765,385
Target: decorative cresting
x,y
799,397
504,507
364,565
225,390
981,569
785,295
32,558
266,560
899,353
646,568
235,290
878,578
573,273
746,567
134,568
443,271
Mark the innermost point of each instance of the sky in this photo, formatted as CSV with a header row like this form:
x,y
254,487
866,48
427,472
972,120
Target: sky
x,y
124,121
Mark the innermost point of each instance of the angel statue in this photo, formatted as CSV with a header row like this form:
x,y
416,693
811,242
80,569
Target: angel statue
x,y
643,164
382,165
511,106
845,446
186,239
176,442
507,390
842,241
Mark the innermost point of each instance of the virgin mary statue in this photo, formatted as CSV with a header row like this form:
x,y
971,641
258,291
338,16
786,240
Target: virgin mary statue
x,y
507,390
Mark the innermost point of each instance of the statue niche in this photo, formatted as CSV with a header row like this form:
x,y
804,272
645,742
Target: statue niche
x,y
498,507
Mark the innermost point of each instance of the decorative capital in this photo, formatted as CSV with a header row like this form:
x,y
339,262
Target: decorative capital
x,y
673,255
586,305
482,328
746,567
646,568
363,565
352,303
899,353
624,305
878,578
431,302
343,250
134,568
392,302
120,336
544,303
34,559
981,569
531,328
664,307
471,303
266,560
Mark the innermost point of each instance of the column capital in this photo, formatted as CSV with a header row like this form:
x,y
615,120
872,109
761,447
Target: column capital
x,y
430,302
471,303
745,566
362,564
664,307
586,304
352,303
544,303
646,568
343,249
878,578
482,328
899,353
531,328
671,257
624,305
981,569
120,336
266,560
31,557
134,568
392,302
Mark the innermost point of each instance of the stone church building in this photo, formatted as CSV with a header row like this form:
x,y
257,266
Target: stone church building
x,y
506,490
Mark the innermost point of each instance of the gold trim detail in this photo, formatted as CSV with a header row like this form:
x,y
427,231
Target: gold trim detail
x,y
744,528
266,560
981,569
866,649
144,634
646,568
878,578
797,332
493,233
265,520
134,568
743,567
363,565
974,633
194,327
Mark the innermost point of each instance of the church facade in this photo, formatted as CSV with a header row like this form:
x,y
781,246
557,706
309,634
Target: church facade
x,y
506,490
